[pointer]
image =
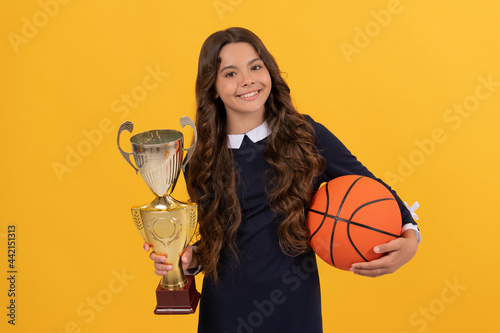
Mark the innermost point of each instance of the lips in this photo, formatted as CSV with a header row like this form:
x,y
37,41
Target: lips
x,y
250,95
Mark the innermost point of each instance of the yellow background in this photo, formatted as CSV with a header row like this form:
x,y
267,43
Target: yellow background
x,y
386,85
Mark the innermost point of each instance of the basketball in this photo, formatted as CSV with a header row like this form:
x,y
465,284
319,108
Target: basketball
x,y
348,217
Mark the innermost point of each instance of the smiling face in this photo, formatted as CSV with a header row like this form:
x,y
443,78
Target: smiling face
x,y
243,83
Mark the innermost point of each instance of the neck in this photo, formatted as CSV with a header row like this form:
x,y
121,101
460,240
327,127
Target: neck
x,y
241,124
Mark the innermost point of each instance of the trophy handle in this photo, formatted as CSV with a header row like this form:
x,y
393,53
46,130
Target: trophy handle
x,y
139,224
193,221
126,126
188,121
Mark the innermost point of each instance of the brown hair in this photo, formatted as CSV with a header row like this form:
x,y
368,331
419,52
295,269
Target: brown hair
x,y
212,176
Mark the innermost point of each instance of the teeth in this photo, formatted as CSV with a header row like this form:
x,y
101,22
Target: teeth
x,y
250,94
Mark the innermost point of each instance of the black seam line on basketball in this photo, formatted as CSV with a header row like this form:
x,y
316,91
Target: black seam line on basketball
x,y
326,211
338,216
366,227
369,203
351,241
334,224
331,243
349,224
355,223
350,219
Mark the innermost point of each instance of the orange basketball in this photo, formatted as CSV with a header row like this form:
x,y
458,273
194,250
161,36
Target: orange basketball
x,y
348,217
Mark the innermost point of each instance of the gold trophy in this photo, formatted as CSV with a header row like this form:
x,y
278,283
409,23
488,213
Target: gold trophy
x,y
166,223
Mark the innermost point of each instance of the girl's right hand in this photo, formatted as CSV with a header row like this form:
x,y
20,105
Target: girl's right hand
x,y
161,268
160,261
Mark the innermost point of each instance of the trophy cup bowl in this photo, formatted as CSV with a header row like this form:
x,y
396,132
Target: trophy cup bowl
x,y
166,223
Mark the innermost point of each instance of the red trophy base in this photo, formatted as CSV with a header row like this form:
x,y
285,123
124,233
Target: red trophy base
x,y
182,301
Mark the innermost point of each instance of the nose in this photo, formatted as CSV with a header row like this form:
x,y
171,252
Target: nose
x,y
248,80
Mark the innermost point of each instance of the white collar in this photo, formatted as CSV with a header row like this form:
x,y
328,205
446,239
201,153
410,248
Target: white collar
x,y
259,133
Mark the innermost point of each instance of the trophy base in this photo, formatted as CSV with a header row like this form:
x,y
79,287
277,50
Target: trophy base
x,y
182,301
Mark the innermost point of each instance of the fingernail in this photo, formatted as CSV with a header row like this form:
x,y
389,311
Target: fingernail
x,y
376,249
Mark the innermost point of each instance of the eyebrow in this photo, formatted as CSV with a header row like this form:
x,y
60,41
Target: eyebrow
x,y
232,66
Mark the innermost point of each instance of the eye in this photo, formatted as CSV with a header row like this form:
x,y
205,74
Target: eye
x,y
230,74
256,67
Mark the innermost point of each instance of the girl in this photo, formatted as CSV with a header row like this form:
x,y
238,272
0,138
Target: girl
x,y
256,166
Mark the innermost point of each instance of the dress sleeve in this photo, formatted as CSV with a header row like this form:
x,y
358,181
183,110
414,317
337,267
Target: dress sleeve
x,y
340,162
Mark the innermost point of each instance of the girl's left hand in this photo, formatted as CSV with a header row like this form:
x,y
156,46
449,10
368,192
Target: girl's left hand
x,y
397,253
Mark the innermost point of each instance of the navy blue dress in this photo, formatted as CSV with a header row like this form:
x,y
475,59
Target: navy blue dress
x,y
266,290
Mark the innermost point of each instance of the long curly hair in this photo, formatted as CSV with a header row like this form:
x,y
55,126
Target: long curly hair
x,y
212,177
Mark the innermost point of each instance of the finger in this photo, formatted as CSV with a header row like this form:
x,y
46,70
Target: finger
x,y
371,273
370,265
163,267
158,258
390,246
163,270
377,267
146,247
186,255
